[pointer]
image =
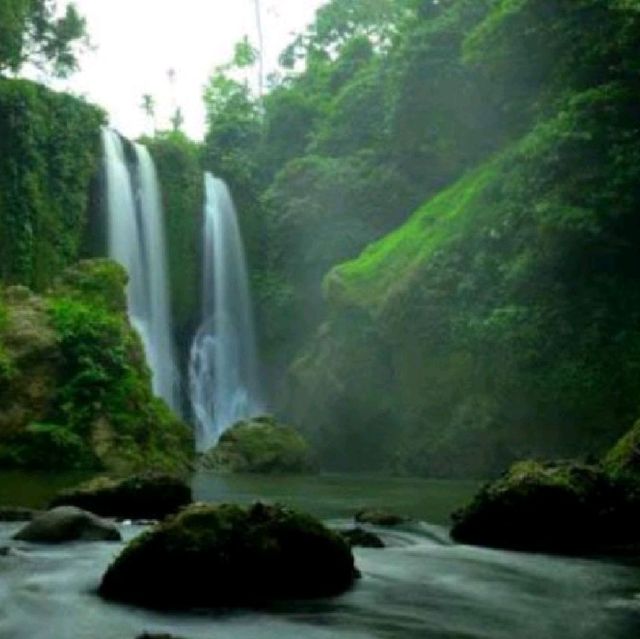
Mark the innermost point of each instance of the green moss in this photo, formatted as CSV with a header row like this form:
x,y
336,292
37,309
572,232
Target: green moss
x,y
623,460
49,152
258,554
383,266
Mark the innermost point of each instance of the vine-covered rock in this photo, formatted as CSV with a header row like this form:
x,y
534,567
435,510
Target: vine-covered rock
x,y
225,555
260,445
76,390
147,496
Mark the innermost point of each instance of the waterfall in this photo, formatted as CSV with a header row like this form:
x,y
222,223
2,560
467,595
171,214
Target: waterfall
x,y
136,240
223,363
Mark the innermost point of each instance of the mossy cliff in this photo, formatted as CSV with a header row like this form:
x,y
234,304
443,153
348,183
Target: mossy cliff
x,y
75,390
501,321
180,175
49,155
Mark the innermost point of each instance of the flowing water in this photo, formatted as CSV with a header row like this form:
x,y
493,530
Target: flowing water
x,y
420,587
223,370
137,241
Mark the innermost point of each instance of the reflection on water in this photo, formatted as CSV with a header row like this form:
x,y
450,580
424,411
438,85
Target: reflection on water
x,y
421,587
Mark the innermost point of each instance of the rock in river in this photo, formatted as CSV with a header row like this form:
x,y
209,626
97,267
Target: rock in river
x,y
557,507
260,445
67,523
150,496
210,556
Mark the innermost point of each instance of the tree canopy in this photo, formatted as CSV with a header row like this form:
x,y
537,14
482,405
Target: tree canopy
x,y
38,32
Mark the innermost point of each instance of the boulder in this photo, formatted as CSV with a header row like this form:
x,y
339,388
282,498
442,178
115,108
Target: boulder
x,y
150,496
556,507
209,556
379,518
16,513
359,537
260,445
67,523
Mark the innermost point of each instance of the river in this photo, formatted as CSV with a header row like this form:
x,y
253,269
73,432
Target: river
x,y
420,587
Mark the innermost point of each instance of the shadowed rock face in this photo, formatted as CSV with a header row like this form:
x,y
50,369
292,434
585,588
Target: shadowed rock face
x,y
225,555
67,523
150,496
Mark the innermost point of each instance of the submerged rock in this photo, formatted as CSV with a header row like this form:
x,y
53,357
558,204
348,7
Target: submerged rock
x,y
150,496
557,507
227,555
15,513
379,518
67,523
363,538
260,445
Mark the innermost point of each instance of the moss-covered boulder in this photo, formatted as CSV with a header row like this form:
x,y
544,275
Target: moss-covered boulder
x,y
225,555
147,496
558,507
75,390
260,445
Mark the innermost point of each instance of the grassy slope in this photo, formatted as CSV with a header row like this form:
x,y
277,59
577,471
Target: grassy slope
x,y
384,266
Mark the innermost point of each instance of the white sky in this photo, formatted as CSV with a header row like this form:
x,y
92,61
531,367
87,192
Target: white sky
x,y
138,41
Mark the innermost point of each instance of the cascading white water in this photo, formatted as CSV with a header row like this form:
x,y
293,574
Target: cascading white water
x,y
223,370
136,240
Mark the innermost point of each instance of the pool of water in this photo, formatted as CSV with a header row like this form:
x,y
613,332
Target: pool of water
x,y
421,586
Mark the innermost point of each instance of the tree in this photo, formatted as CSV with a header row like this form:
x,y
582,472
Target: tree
x,y
32,31
177,119
148,105
339,21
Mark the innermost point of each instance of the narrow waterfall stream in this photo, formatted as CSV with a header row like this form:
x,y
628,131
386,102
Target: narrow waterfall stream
x,y
136,240
223,369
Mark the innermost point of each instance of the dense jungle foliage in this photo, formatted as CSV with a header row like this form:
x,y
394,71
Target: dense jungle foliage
x,y
499,320
440,206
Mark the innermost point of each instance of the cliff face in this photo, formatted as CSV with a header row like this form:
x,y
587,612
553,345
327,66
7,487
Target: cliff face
x,y
75,391
49,156
501,320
